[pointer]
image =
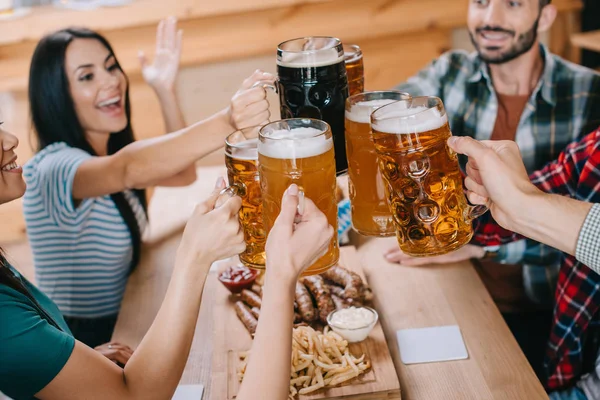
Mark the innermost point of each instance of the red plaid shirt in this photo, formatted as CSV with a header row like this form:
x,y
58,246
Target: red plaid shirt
x,y
576,174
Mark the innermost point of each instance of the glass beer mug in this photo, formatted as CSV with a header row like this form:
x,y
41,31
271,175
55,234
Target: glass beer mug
x,y
355,68
312,83
241,160
370,212
423,179
300,151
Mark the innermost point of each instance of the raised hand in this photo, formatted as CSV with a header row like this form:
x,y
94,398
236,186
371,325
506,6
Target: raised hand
x,y
162,72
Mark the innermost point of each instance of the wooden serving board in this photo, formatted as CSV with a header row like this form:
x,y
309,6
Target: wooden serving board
x,y
230,338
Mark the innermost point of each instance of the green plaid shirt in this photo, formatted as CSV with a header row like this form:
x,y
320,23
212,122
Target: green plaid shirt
x,y
563,108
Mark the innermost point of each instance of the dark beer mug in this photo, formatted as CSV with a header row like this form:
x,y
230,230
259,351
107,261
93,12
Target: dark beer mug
x,y
312,83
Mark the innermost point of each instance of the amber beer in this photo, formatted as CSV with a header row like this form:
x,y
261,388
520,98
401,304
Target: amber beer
x,y
300,151
371,215
355,69
423,180
241,159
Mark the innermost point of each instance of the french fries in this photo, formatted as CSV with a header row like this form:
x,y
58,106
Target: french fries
x,y
319,360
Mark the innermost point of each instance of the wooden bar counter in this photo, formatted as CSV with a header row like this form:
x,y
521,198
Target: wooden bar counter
x,y
405,297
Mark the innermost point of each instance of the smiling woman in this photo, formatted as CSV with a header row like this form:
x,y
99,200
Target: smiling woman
x,y
85,207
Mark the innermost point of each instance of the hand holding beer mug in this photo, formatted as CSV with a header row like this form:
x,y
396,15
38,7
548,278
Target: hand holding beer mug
x,y
371,215
423,179
312,83
300,151
241,159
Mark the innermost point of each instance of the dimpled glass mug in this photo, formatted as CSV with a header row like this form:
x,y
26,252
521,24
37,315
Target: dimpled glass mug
x,y
422,176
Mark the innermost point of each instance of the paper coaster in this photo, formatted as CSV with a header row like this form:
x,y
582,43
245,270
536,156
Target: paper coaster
x,y
425,345
188,392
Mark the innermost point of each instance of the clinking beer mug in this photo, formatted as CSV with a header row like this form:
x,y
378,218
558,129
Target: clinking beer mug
x,y
300,151
422,176
241,160
312,83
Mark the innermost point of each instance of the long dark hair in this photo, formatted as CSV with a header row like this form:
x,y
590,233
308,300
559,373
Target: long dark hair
x,y
7,278
55,120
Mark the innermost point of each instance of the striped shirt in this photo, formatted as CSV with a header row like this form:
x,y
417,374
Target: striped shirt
x,y
563,107
82,254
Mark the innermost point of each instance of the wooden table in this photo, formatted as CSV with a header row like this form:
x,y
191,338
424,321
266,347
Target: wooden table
x,y
405,298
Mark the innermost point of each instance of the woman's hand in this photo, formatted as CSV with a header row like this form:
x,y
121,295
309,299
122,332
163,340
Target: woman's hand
x,y
249,106
213,231
296,241
162,72
115,352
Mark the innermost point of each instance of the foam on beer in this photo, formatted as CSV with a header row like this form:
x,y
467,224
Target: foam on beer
x,y
295,143
424,119
361,112
246,150
304,59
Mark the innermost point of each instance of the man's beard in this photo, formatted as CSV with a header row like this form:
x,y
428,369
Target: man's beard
x,y
524,44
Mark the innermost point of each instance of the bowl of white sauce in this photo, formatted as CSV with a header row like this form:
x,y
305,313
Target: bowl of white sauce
x,y
353,323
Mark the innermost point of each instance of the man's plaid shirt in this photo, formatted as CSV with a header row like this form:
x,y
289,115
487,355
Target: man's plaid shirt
x,y
564,106
576,173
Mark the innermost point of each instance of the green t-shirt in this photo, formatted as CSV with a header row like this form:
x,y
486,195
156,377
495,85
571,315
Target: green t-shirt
x,y
32,349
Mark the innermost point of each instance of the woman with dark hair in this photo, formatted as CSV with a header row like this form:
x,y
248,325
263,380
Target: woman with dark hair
x,y
85,206
41,359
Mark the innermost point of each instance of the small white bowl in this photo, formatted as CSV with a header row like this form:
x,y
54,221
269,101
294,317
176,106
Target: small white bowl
x,y
353,335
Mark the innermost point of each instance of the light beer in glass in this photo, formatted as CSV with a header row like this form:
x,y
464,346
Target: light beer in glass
x,y
423,179
353,57
241,159
371,215
300,151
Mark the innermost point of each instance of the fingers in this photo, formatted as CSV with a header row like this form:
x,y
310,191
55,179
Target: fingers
x,y
473,172
142,58
120,356
466,145
179,44
395,255
475,187
209,204
258,75
477,199
257,120
311,211
160,34
289,207
246,97
170,33
232,205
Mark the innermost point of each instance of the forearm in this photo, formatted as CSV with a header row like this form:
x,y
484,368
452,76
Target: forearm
x,y
553,220
155,368
268,370
171,110
151,161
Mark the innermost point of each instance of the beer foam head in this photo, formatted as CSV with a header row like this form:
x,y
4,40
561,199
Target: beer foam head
x,y
410,120
247,150
360,112
314,51
302,142
321,58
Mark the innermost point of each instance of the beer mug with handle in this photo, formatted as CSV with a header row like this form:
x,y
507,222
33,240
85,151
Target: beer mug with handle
x,y
241,159
370,212
422,175
300,151
312,83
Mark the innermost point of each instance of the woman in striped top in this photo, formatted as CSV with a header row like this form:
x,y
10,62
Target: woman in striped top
x,y
41,359
85,206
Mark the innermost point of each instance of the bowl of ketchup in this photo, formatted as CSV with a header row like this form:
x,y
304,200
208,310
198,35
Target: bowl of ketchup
x,y
237,278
